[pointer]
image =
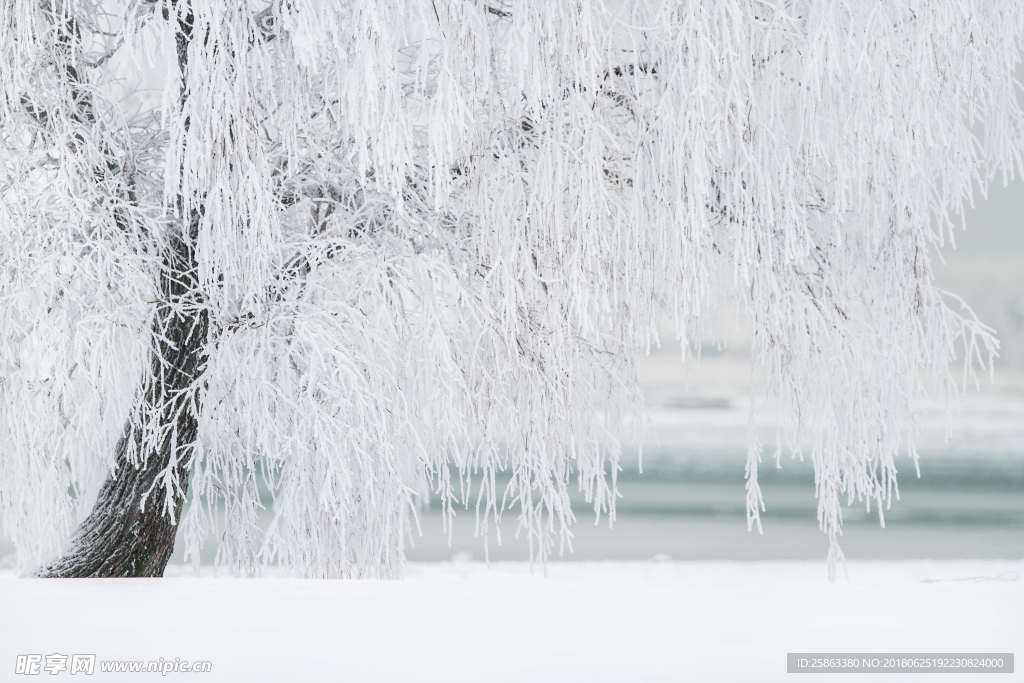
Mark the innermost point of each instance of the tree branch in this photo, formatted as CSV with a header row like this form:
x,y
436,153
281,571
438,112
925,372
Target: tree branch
x,y
110,171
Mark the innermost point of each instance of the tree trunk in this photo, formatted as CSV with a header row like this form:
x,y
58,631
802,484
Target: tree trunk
x,y
129,532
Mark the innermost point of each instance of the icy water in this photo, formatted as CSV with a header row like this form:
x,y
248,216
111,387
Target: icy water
x,y
689,503
693,507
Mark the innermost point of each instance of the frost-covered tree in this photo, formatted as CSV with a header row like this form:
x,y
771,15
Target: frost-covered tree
x,y
343,255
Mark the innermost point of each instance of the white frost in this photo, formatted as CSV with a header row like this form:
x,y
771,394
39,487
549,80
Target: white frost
x,y
434,235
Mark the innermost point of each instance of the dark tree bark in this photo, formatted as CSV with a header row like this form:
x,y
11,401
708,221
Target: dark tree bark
x,y
129,533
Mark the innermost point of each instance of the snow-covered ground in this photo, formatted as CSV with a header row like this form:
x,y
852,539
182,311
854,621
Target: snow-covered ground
x,y
629,622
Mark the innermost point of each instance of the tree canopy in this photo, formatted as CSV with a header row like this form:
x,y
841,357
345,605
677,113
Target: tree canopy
x,y
430,238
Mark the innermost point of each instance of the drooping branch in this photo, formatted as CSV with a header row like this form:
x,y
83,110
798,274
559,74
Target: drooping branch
x,y
302,264
112,171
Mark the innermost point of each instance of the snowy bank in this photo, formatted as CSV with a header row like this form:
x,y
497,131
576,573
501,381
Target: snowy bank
x,y
645,621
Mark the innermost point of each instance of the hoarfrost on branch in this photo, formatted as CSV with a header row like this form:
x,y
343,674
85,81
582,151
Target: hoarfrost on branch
x,y
431,236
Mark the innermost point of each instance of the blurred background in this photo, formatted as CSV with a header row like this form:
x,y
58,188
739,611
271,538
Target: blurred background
x,y
689,502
